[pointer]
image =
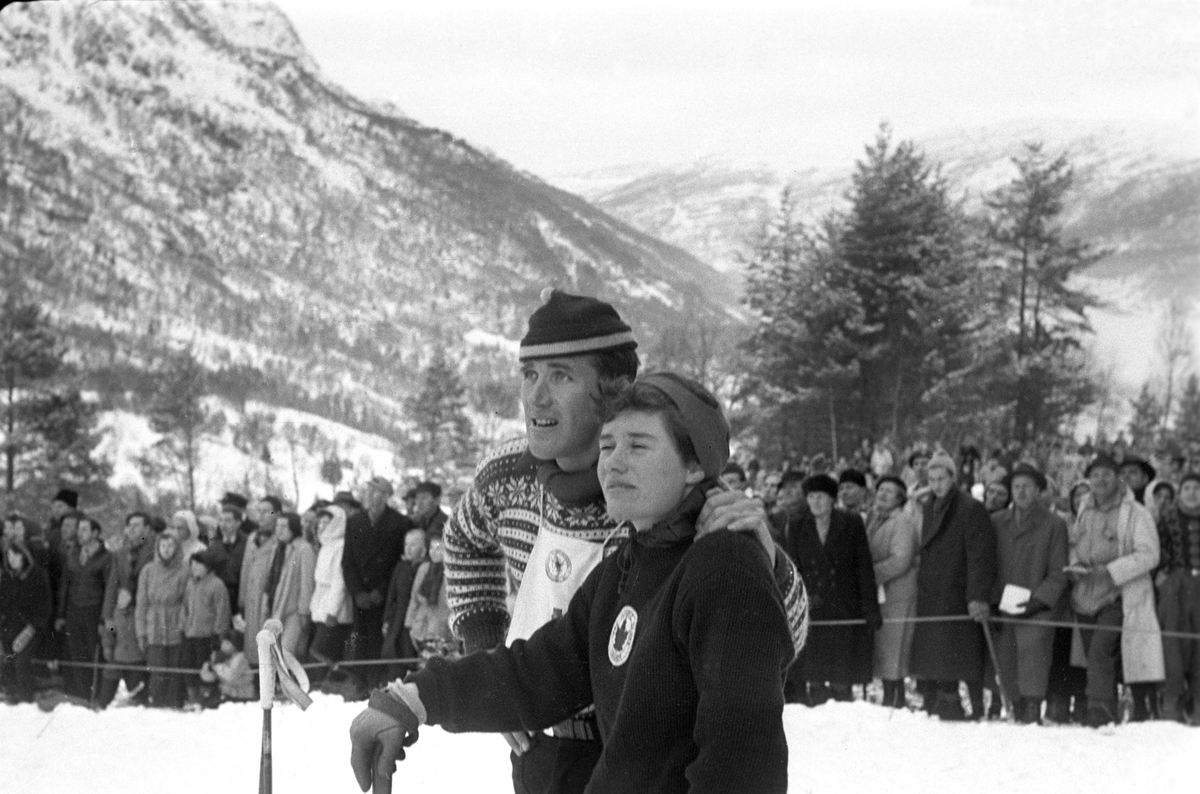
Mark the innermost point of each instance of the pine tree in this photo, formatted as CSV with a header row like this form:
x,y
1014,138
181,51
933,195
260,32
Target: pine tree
x,y
438,410
65,425
177,412
1043,311
1143,425
29,359
1187,417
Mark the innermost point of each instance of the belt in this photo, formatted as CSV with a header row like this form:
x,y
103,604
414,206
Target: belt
x,y
583,728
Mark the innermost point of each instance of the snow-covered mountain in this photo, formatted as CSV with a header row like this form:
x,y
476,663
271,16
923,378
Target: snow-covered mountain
x,y
1138,193
182,173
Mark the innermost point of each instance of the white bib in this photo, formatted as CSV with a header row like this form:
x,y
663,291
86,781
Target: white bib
x,y
558,564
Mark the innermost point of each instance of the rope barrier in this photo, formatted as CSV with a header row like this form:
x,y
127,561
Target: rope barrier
x,y
1018,621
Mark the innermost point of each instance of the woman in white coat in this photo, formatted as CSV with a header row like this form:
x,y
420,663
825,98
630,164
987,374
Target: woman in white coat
x,y
331,607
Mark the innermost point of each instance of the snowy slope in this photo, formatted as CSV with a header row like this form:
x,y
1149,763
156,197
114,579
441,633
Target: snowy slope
x,y
836,748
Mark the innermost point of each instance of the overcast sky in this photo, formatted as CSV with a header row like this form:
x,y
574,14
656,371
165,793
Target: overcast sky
x,y
561,87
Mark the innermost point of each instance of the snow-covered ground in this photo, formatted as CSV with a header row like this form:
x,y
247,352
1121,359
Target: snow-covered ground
x,y
838,747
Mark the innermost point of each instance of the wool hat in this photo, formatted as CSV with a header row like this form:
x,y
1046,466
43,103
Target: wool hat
x,y
820,483
68,497
235,500
1142,464
208,558
571,325
1024,469
705,425
346,499
894,480
853,476
274,502
428,486
1102,459
942,460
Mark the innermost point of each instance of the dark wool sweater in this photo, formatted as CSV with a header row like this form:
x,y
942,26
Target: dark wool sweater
x,y
697,704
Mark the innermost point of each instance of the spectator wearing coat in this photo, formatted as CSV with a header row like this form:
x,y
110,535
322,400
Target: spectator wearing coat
x,y
120,593
374,544
894,535
954,580
1179,601
427,509
256,567
81,604
25,609
1031,553
1113,549
831,552
397,642
331,609
288,591
229,546
158,617
205,615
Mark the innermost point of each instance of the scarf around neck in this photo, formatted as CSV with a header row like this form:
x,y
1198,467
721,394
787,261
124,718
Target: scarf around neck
x,y
571,488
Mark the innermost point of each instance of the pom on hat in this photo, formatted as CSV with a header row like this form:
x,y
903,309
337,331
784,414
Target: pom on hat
x,y
571,325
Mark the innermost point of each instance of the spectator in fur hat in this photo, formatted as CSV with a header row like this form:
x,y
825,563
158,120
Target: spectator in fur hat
x,y
853,495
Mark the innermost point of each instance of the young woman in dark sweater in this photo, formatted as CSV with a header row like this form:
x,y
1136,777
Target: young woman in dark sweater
x,y
680,643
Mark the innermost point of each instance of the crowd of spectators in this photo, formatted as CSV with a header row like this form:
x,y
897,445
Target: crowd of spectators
x,y
170,606
1063,578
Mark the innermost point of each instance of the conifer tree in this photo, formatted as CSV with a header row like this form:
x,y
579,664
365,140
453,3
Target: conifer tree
x,y
1147,414
438,410
176,410
1187,417
29,359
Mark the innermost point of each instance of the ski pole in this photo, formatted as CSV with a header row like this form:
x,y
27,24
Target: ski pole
x,y
266,697
987,635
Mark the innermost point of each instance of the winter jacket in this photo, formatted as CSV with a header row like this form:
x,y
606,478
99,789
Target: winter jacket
x,y
126,569
1137,541
957,565
82,585
395,606
158,612
293,593
1031,552
895,543
236,679
205,607
372,550
840,580
256,568
428,619
681,644
25,599
330,596
228,565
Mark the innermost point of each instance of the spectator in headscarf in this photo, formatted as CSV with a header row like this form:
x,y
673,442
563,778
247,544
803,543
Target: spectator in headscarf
x,y
158,614
331,609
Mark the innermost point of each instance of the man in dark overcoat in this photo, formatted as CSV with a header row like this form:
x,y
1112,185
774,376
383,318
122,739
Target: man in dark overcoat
x,y
831,552
954,580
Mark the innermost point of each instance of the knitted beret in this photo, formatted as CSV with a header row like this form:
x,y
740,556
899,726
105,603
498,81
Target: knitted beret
x,y
820,483
571,325
853,475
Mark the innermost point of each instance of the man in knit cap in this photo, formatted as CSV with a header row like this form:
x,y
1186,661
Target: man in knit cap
x,y
954,580
535,519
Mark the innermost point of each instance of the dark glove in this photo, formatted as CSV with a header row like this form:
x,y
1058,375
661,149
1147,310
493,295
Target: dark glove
x,y
378,737
874,622
1034,606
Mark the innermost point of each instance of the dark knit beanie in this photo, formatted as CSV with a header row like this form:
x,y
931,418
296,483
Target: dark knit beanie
x,y
68,497
820,483
853,475
571,325
234,500
706,426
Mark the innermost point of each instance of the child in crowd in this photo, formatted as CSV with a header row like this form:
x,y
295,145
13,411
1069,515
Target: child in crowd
x,y
227,674
205,616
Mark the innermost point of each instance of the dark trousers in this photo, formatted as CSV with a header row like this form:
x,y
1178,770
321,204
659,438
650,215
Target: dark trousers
x,y
82,638
1102,646
1066,691
1179,610
136,682
166,689
16,671
194,652
366,642
555,766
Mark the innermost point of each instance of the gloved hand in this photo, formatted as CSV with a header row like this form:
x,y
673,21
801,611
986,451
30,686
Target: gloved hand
x,y
22,640
979,611
379,735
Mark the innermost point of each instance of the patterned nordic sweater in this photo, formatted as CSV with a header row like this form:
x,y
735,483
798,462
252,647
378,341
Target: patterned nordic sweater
x,y
491,533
